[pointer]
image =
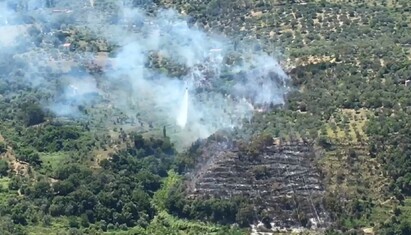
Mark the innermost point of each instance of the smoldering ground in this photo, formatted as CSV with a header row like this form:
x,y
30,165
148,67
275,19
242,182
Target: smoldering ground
x,y
221,94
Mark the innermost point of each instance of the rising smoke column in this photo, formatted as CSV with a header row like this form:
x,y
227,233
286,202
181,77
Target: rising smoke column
x,y
183,115
222,95
257,80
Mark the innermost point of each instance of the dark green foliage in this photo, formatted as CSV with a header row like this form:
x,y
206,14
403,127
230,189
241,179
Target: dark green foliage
x,y
245,215
261,172
3,147
390,141
324,142
4,167
29,143
28,155
223,211
119,194
32,114
396,226
54,138
183,162
7,227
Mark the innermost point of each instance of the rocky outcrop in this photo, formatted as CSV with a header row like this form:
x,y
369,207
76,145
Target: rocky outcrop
x,y
279,179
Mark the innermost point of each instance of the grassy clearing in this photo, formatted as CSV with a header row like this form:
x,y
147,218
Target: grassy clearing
x,y
52,161
348,126
4,182
57,225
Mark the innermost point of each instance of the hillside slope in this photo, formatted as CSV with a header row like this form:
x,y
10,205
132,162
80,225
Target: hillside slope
x,y
343,130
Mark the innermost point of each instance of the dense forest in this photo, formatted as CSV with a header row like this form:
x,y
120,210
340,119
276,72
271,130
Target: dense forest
x,y
349,64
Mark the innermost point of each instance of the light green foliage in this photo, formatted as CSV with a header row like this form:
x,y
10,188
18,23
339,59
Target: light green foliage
x,y
160,197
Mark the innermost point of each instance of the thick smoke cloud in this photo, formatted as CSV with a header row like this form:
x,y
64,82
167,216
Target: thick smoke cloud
x,y
222,93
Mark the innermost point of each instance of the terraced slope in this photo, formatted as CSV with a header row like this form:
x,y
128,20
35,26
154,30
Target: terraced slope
x,y
280,179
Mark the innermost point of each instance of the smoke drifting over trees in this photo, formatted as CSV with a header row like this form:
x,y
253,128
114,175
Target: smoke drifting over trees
x,y
153,57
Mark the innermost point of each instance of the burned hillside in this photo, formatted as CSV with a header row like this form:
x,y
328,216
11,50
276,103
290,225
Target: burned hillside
x,y
279,178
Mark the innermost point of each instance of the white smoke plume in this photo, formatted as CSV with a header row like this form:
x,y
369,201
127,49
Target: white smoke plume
x,y
222,94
